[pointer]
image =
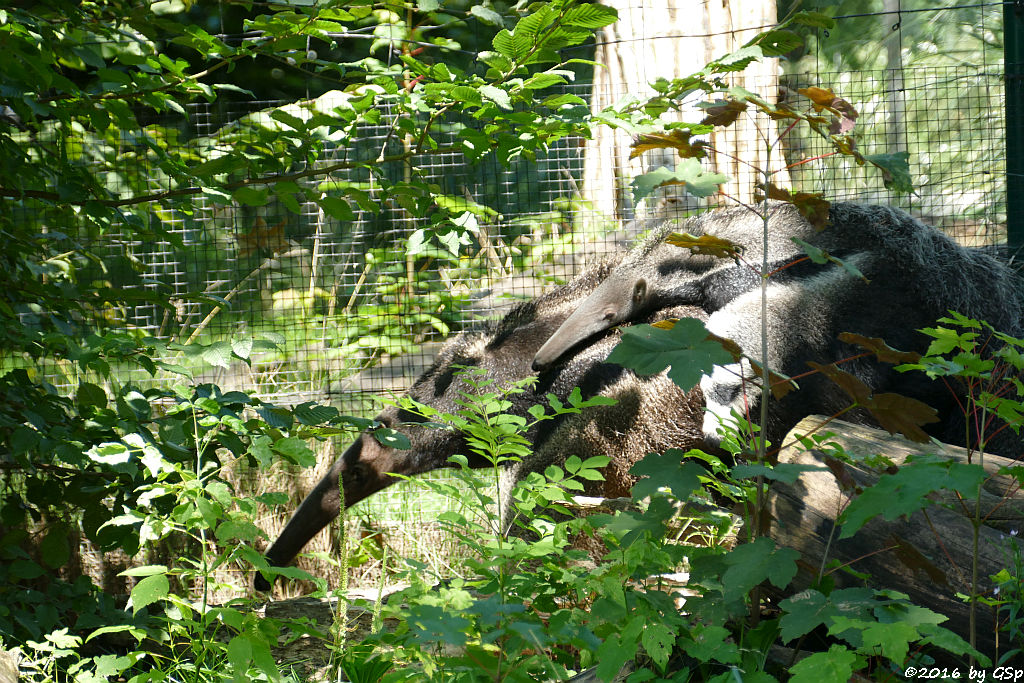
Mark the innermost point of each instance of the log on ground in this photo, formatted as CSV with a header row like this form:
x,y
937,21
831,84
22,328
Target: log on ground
x,y
927,556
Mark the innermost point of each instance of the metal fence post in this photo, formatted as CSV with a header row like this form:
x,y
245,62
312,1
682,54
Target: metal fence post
x,y
1013,60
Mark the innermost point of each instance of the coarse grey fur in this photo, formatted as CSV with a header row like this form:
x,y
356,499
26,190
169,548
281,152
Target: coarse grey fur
x,y
651,415
917,274
656,274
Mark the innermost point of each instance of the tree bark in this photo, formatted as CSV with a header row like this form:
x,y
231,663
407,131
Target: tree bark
x,y
656,39
927,556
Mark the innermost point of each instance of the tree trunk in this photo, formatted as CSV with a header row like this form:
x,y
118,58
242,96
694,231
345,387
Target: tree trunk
x,y
656,39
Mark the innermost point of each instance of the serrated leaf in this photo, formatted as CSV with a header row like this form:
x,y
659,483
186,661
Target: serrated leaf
x,y
314,414
658,639
679,139
648,350
811,205
392,438
814,19
242,347
218,354
295,449
882,351
543,80
835,665
671,469
89,394
906,491
778,42
497,95
895,170
807,610
149,590
239,654
487,15
751,563
504,44
821,256
706,245
722,112
689,173
590,16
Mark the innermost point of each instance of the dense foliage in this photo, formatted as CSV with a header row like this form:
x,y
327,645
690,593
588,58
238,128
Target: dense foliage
x,y
124,468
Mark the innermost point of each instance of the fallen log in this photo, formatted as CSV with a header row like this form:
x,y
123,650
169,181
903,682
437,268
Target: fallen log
x,y
927,556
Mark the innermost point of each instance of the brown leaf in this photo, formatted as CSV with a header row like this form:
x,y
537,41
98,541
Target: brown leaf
x,y
917,562
723,112
901,414
895,413
811,205
846,145
678,139
844,115
262,238
780,385
877,346
731,347
821,97
707,245
851,384
666,324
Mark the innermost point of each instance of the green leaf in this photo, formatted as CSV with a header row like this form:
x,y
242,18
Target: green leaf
x,y
337,207
658,639
218,354
241,530
907,491
895,170
778,42
813,19
314,414
590,16
239,654
487,15
147,570
250,196
618,649
295,449
55,549
670,469
392,438
260,448
751,563
242,347
149,590
689,173
648,350
504,44
811,608
90,395
496,95
834,666
711,643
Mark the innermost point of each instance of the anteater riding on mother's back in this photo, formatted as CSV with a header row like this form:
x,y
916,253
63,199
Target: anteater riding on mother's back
x,y
913,275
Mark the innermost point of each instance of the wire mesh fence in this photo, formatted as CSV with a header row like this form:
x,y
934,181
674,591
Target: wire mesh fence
x,y
355,309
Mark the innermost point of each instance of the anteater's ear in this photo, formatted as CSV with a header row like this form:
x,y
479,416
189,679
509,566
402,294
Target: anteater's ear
x,y
639,291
